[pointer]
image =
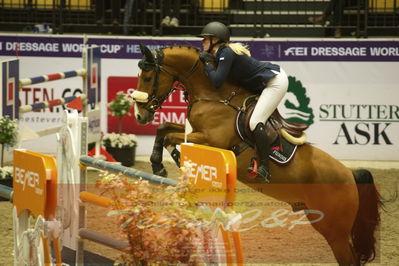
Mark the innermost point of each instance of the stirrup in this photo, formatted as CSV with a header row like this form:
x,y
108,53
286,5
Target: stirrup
x,y
253,169
264,174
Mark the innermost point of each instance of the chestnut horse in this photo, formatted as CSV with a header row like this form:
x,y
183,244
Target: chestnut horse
x,y
348,199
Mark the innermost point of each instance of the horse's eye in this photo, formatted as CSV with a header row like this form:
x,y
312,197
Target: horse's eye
x,y
147,79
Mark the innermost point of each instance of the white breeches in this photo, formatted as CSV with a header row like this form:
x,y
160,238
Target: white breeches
x,y
269,99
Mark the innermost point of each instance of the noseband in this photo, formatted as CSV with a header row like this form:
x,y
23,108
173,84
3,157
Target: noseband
x,y
155,102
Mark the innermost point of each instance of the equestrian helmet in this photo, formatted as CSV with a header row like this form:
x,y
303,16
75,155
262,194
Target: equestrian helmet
x,y
216,29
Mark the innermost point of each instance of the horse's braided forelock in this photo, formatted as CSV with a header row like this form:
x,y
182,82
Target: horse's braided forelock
x,y
145,65
159,56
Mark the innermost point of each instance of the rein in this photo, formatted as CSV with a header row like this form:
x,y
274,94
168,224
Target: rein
x,y
157,65
155,102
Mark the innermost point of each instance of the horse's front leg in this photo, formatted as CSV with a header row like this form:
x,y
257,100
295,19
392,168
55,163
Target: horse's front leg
x,y
157,150
174,139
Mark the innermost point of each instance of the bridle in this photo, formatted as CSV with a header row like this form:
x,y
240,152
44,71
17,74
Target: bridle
x,y
153,60
157,65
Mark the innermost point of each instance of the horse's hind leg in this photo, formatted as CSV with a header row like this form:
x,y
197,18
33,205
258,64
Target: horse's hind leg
x,y
338,238
339,205
342,249
157,150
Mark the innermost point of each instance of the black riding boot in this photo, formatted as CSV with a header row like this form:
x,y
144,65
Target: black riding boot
x,y
263,149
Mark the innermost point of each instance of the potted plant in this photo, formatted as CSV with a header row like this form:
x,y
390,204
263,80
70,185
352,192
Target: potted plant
x,y
8,138
120,145
6,175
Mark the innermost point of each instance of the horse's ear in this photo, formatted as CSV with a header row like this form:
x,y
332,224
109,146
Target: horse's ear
x,y
147,53
142,48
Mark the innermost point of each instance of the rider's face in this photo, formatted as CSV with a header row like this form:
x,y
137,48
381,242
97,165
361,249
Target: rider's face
x,y
206,42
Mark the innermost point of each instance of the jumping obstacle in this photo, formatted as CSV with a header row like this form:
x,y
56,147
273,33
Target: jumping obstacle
x,y
35,194
46,227
11,83
211,168
49,104
72,164
129,172
5,192
213,173
62,75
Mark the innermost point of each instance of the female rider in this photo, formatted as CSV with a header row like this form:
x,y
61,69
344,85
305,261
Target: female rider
x,y
234,62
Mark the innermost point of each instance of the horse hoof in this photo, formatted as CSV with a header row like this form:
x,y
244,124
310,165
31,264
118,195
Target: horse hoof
x,y
159,169
161,172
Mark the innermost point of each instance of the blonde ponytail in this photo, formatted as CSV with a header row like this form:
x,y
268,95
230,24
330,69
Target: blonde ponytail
x,y
239,48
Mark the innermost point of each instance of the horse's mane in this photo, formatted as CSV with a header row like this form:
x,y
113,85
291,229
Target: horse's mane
x,y
158,55
229,84
189,47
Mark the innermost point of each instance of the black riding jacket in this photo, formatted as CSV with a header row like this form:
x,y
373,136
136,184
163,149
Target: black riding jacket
x,y
244,70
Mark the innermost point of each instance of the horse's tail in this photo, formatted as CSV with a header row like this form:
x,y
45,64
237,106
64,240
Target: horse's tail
x,y
368,216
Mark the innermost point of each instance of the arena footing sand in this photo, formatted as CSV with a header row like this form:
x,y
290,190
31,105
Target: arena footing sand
x,y
301,245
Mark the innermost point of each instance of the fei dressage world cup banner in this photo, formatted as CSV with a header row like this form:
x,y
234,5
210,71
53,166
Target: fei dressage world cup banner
x,y
346,90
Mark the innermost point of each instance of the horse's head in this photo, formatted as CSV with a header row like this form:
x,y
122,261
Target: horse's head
x,y
153,87
155,82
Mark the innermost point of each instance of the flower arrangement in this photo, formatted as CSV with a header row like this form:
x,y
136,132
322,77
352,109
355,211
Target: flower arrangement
x,y
8,134
119,140
162,226
120,107
6,172
120,145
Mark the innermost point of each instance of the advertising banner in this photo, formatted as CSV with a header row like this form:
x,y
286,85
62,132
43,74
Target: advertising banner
x,y
347,90
173,110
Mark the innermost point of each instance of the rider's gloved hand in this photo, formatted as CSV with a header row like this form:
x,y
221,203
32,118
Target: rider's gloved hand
x,y
206,57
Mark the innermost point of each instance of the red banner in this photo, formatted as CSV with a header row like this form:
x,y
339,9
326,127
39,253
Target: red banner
x,y
173,109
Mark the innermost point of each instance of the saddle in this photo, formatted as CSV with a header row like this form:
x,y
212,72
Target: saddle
x,y
281,150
